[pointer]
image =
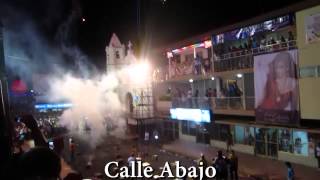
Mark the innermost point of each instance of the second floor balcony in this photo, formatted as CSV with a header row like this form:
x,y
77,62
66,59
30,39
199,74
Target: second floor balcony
x,y
243,105
244,58
230,61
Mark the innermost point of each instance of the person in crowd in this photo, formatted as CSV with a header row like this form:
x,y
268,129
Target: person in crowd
x,y
246,46
39,163
120,160
233,162
317,152
73,176
283,42
189,97
202,161
35,132
290,36
291,39
250,42
195,98
281,86
72,150
290,171
209,93
263,43
214,94
229,141
220,164
131,160
254,43
197,64
271,41
237,90
207,66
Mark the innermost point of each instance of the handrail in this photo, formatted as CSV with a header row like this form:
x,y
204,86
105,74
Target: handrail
x,y
239,102
258,50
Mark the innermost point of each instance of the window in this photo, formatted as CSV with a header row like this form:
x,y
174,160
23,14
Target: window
x,y
285,140
249,136
189,128
293,142
239,134
117,55
300,141
244,135
309,71
219,132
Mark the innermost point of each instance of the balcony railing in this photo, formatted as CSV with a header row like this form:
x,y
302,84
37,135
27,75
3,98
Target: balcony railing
x,y
243,59
223,103
280,46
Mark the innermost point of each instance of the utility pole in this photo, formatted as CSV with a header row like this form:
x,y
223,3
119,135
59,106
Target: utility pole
x,y
5,125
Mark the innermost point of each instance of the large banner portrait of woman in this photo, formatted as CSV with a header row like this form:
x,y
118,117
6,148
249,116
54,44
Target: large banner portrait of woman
x,y
276,88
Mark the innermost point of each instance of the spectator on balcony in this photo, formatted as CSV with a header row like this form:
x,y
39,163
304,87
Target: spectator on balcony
x,y
189,98
209,93
283,42
250,42
254,43
241,49
195,98
263,42
291,39
207,65
197,64
214,94
271,41
246,46
290,36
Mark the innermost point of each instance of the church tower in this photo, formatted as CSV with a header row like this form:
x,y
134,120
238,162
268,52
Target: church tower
x,y
115,54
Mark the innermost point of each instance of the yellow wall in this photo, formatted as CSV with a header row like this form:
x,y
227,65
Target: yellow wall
x,y
309,55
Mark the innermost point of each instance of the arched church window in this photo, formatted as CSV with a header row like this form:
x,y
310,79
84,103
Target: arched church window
x,y
117,55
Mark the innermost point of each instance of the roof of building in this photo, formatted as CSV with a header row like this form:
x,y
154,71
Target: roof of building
x,y
114,41
266,16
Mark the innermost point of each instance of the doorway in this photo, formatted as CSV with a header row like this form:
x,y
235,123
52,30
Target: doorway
x,y
266,142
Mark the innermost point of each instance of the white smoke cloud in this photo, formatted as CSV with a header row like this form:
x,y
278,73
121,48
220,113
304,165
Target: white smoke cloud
x,y
96,105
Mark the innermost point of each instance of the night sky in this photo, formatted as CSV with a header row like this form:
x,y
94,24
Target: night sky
x,y
161,23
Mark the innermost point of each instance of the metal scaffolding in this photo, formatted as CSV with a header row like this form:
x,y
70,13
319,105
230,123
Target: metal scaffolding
x,y
143,106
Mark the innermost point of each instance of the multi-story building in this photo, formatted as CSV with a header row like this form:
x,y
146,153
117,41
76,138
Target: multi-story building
x,y
258,78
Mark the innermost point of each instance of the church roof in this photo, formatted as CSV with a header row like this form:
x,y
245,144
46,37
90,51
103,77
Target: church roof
x,y
114,41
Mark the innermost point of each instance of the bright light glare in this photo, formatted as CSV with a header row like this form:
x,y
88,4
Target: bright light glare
x,y
212,78
190,80
239,75
139,73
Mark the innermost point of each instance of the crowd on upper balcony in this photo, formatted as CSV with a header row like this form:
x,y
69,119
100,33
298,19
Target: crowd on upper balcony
x,y
254,45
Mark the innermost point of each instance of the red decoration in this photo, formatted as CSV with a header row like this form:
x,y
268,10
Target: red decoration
x,y
18,86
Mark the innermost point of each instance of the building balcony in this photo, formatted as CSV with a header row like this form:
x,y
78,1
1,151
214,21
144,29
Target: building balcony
x,y
243,59
243,106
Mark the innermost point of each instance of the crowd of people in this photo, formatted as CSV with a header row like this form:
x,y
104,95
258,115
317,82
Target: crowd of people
x,y
196,65
226,165
33,154
192,98
254,45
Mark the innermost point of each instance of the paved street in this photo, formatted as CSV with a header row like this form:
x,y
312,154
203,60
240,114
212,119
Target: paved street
x,y
111,147
249,165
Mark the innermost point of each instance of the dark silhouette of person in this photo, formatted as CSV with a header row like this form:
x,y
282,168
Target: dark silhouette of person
x,y
36,134
73,176
39,163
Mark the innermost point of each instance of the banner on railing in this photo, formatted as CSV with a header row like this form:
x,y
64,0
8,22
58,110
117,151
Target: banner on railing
x,y
276,88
